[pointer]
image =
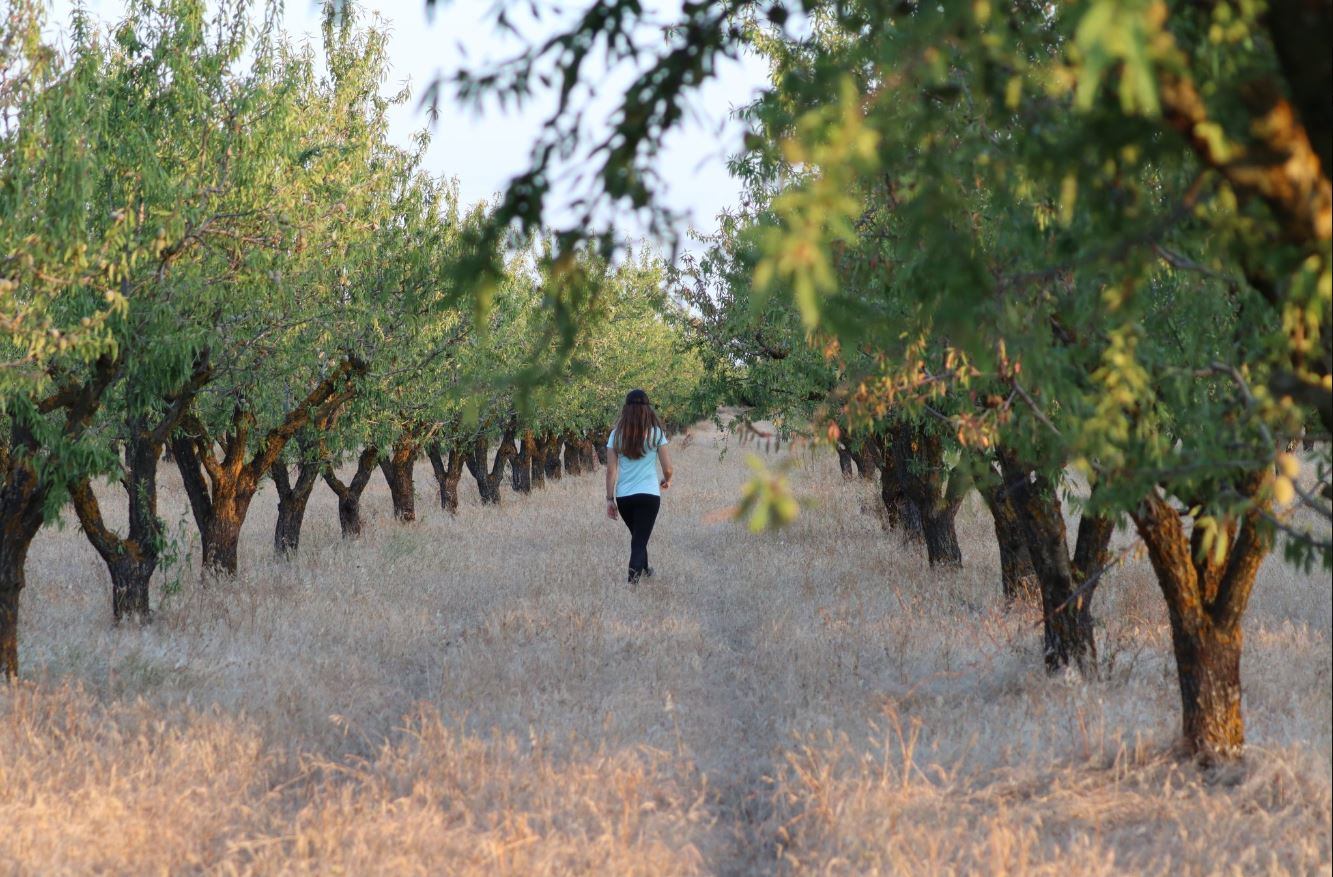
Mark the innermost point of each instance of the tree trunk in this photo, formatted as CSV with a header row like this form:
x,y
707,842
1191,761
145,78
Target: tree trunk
x,y
520,468
349,494
24,490
845,462
221,531
221,503
1067,587
900,512
553,470
220,512
599,447
130,560
941,535
292,500
1017,575
865,459
936,493
447,476
488,483
22,495
398,469
476,466
1206,598
536,452
588,453
11,583
1208,671
573,459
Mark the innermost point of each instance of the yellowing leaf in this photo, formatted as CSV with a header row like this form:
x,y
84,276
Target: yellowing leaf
x,y
1283,490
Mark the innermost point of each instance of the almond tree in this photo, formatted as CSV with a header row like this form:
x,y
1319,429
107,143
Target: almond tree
x,y
205,125
290,347
80,254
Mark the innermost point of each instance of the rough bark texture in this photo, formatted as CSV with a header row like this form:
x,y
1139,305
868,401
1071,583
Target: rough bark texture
x,y
220,504
552,455
865,456
520,468
536,453
349,494
1066,584
131,560
845,462
936,492
900,513
588,452
1206,597
292,499
24,491
573,456
11,584
399,472
1017,575
447,475
488,483
220,511
21,502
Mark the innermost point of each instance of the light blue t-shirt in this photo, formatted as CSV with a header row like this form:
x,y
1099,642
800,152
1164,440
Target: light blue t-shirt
x,y
639,476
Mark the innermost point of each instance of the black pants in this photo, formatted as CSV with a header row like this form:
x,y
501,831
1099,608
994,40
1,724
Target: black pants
x,y
639,512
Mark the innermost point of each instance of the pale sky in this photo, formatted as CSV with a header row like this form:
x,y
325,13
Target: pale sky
x,y
484,151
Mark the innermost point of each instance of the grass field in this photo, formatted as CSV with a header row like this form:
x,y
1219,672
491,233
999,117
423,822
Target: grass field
x,y
484,695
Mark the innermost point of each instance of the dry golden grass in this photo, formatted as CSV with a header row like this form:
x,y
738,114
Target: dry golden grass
x,y
484,695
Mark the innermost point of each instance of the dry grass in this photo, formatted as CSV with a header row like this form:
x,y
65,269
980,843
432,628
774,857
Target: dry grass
x,y
484,695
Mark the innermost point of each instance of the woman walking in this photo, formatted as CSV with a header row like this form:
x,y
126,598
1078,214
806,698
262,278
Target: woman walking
x,y
633,489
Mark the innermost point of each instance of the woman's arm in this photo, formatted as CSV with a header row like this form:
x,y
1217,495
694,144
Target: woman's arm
x,y
612,471
667,471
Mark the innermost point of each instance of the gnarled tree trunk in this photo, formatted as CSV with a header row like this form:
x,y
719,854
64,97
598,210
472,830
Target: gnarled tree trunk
x,y
536,451
936,492
21,499
292,499
1206,597
488,483
398,469
900,512
220,504
587,449
130,560
24,490
845,462
1067,586
447,475
552,455
1017,575
520,468
349,494
865,456
573,456
12,559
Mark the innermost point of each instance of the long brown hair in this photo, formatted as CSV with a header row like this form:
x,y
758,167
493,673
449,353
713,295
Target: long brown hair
x,y
635,426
